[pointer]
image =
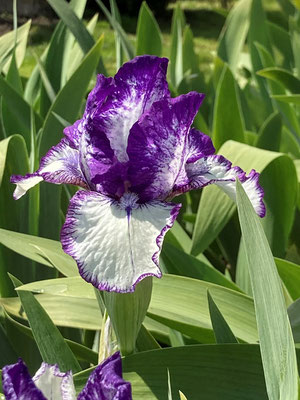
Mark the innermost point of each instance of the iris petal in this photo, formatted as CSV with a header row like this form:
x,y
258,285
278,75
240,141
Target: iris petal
x,y
218,170
106,383
17,383
158,146
116,244
54,385
138,84
60,165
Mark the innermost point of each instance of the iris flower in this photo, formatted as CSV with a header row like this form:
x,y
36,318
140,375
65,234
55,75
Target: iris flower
x,y
104,383
133,150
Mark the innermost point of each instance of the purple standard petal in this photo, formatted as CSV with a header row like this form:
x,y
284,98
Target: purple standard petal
x,y
59,165
218,170
106,382
54,385
137,85
116,244
158,146
17,383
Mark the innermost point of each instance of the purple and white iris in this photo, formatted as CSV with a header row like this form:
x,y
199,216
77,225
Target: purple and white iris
x,y
104,383
133,150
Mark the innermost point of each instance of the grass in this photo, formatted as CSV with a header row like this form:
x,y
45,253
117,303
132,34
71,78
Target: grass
x,y
206,25
206,19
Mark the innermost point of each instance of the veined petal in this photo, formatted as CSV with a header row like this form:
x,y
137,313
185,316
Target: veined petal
x,y
116,244
158,146
218,170
200,145
137,85
17,383
106,382
59,165
54,385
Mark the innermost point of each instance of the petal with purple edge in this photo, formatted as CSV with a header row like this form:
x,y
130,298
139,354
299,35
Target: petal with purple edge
x,y
17,383
218,170
200,145
54,385
138,84
97,228
106,382
158,146
59,165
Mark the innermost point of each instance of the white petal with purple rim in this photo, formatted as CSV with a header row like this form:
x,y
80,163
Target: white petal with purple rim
x,y
59,165
217,169
116,244
54,385
24,183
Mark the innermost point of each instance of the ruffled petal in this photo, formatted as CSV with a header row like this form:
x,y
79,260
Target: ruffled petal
x,y
59,165
218,170
137,85
116,244
54,385
106,382
199,145
158,146
17,383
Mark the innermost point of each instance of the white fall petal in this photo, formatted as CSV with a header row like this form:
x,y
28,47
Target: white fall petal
x,y
116,244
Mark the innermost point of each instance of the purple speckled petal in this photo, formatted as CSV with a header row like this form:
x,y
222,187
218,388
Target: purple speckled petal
x,y
158,146
116,244
137,85
17,383
54,385
218,170
59,165
95,98
106,382
200,145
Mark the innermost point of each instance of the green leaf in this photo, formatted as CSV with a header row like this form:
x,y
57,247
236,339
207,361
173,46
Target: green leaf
x,y
294,24
283,76
269,135
258,33
176,59
13,160
276,341
127,46
73,312
222,331
81,352
76,54
7,352
294,312
216,209
19,108
44,251
50,342
290,275
228,121
287,98
276,88
148,35
234,33
180,263
178,302
78,6
282,41
7,44
76,26
193,370
181,304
